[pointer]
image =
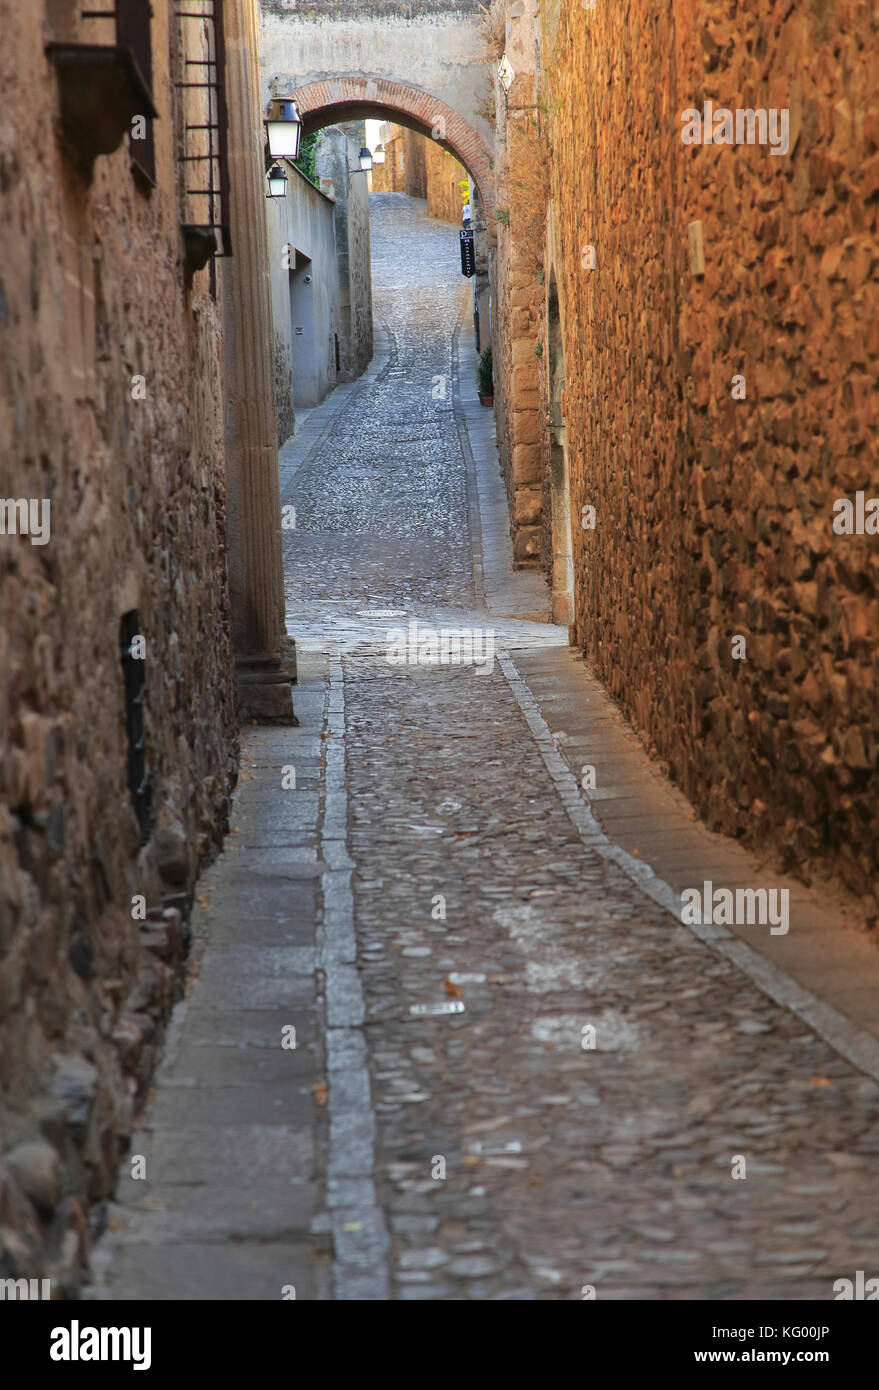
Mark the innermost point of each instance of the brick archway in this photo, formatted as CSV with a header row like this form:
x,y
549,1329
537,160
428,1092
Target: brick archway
x,y
356,98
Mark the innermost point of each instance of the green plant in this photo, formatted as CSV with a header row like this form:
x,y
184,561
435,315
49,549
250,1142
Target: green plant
x,y
494,32
485,373
307,151
503,215
538,349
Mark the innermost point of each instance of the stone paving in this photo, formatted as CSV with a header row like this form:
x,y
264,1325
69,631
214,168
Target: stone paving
x,y
518,1077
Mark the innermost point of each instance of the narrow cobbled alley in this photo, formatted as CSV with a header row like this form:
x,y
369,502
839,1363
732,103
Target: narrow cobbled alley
x,y
445,1036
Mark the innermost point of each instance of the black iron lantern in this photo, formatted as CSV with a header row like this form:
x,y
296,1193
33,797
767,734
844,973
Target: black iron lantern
x,y
277,181
284,131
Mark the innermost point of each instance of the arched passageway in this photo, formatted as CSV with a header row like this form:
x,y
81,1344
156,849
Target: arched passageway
x,y
377,98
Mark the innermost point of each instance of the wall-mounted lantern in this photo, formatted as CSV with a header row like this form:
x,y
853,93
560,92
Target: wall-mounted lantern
x,y
284,131
364,164
277,181
378,155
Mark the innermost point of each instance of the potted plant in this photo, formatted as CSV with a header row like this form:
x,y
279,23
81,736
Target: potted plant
x,y
485,378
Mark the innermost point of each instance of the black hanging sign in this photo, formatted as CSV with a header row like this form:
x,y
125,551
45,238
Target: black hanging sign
x,y
468,252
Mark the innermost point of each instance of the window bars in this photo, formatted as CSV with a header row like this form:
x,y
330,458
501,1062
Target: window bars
x,y
205,158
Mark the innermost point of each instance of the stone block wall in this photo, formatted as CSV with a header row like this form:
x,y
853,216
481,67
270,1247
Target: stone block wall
x,y
422,169
111,409
390,176
444,178
720,362
405,166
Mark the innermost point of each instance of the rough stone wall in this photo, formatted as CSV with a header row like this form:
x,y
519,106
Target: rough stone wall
x,y
390,177
422,169
444,176
715,514
405,166
517,295
92,296
284,380
416,162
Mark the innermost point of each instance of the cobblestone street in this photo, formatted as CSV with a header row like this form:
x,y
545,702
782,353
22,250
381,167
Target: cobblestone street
x,y
516,1074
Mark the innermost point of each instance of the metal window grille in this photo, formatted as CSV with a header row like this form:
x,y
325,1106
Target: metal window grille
x,y
202,89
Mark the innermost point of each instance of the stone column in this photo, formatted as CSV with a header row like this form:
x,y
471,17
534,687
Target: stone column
x,y
253,500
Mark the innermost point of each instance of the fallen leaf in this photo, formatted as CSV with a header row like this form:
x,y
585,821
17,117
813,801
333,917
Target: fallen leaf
x,y
320,1090
820,1081
453,990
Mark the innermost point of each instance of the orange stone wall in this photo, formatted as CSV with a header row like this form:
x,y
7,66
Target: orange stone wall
x,y
714,516
423,169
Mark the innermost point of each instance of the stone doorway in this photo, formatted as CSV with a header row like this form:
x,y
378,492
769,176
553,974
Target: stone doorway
x,y
304,363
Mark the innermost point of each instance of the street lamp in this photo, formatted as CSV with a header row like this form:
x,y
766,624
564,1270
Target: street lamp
x,y
364,164
277,182
378,154
284,131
